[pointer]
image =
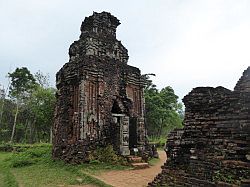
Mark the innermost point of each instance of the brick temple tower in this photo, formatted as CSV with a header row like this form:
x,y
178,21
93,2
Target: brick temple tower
x,y
100,97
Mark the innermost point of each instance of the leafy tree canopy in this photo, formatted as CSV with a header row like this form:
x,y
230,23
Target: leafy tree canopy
x,y
22,82
163,111
28,115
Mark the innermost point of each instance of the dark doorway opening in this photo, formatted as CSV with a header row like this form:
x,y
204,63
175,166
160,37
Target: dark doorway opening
x,y
116,108
115,126
132,133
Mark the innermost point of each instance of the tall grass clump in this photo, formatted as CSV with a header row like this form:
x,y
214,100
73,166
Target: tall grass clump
x,y
27,156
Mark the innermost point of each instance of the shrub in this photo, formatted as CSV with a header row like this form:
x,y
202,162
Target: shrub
x,y
21,161
106,155
6,147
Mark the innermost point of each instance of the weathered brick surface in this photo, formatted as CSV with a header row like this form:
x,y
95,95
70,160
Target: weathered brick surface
x,y
213,148
94,84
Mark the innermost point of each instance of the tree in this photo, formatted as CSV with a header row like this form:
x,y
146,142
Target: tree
x,y
2,99
162,109
42,80
27,115
22,85
7,119
41,105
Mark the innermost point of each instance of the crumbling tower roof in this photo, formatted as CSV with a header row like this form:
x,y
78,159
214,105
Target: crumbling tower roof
x,y
103,24
98,40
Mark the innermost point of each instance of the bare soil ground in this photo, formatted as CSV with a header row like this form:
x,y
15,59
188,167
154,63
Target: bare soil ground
x,y
86,185
133,178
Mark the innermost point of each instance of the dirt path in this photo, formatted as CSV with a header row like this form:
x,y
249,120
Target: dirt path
x,y
133,178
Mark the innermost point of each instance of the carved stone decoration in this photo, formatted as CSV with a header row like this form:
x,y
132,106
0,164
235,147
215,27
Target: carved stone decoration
x,y
99,96
213,148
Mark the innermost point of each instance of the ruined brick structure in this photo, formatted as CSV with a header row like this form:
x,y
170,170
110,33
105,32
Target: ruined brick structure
x,y
213,148
100,97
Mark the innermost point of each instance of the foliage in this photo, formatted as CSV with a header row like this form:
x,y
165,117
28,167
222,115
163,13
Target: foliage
x,y
7,119
218,176
42,79
29,155
106,155
158,141
41,108
163,112
22,83
28,113
231,176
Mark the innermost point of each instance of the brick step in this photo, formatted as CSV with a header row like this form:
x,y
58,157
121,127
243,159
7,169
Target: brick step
x,y
134,159
141,165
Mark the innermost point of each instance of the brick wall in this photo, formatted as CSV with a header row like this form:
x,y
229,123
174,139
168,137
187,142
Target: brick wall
x,y
213,148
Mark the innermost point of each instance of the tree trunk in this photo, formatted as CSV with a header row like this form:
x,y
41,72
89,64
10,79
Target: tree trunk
x,y
160,129
32,131
51,135
1,112
25,130
2,107
14,125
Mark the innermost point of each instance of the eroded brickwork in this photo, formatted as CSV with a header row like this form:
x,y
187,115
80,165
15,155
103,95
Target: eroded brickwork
x,y
213,148
100,97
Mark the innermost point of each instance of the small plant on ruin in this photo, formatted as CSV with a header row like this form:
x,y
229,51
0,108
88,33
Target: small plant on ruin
x,y
225,177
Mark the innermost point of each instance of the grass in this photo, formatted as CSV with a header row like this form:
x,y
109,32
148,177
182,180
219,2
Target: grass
x,y
33,166
153,161
158,141
45,175
6,177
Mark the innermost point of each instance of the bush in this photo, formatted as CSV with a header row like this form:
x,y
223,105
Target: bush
x,y
106,155
21,161
6,147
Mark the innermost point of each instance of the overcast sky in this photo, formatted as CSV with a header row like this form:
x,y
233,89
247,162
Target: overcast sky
x,y
186,43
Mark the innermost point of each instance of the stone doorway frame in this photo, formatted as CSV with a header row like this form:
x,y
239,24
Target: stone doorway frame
x,y
123,122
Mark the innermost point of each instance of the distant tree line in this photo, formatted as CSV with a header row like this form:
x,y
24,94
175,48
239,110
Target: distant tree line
x,y
26,108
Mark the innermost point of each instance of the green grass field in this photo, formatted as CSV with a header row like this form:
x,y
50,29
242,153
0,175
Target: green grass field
x,y
33,166
7,179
